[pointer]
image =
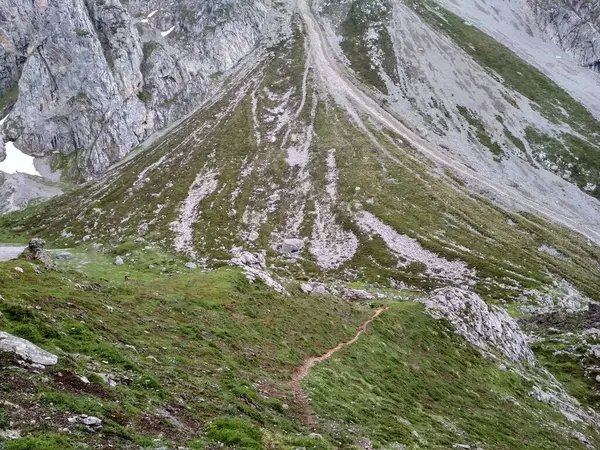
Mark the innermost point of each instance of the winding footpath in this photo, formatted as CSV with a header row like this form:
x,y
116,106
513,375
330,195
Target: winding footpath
x,y
309,363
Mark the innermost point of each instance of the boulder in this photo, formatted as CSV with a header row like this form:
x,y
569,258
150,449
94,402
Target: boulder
x,y
191,265
314,288
119,261
63,255
291,246
26,350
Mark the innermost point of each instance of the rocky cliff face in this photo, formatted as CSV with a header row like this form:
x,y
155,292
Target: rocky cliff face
x,y
572,24
93,78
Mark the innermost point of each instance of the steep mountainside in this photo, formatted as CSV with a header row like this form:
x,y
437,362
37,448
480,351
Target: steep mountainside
x,y
340,249
574,25
93,79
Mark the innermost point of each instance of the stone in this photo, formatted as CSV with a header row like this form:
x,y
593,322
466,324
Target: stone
x,y
119,261
63,255
485,326
92,423
356,294
36,251
292,246
26,350
10,435
314,288
191,265
19,269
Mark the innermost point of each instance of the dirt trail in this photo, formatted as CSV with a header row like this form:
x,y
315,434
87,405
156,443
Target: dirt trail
x,y
355,101
309,363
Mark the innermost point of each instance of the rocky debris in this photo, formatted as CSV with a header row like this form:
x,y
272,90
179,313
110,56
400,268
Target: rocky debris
x,y
36,251
254,266
561,296
485,326
356,294
26,350
314,288
572,24
562,402
409,250
291,246
10,435
119,261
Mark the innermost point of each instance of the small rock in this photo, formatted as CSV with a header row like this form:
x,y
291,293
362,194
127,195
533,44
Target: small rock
x,y
72,419
292,246
139,240
151,267
19,269
63,255
314,288
191,265
597,378
119,261
315,436
92,423
462,446
414,434
502,368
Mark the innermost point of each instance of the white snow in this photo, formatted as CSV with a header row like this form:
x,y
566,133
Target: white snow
x,y
166,33
17,161
152,13
3,120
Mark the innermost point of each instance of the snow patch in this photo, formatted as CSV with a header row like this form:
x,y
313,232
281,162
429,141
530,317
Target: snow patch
x,y
168,32
17,162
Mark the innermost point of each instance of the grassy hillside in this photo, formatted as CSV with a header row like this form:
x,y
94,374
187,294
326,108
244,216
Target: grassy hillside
x,y
205,358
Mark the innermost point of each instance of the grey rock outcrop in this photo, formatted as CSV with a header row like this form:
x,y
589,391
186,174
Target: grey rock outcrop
x,y
96,77
26,350
572,24
485,326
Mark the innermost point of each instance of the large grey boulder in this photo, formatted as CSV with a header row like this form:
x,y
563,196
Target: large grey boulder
x,y
26,350
292,246
485,326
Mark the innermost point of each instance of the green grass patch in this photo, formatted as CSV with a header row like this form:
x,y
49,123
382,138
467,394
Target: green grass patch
x,y
411,380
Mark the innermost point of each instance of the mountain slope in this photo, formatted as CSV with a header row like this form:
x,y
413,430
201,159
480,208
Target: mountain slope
x,y
377,155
